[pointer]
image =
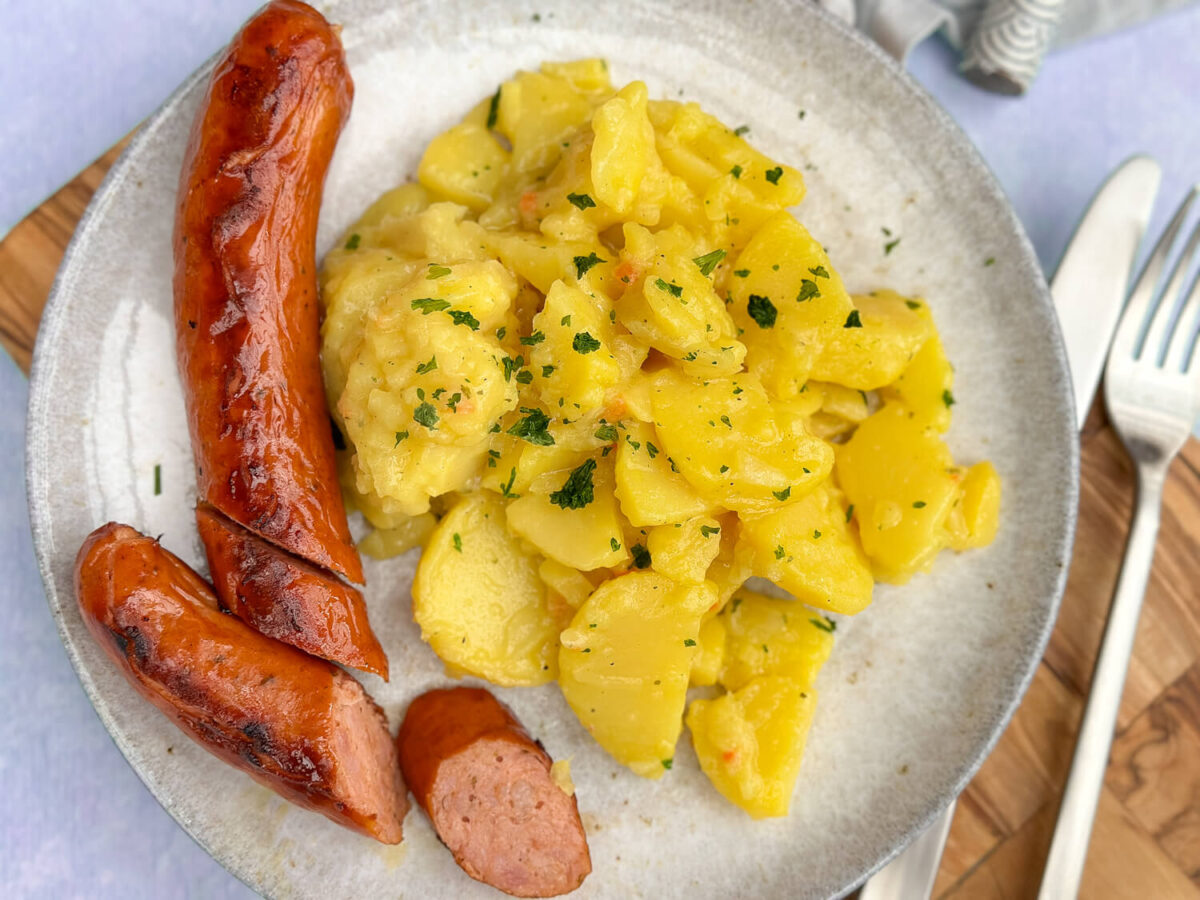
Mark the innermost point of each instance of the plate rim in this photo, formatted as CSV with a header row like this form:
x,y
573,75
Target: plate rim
x,y
37,465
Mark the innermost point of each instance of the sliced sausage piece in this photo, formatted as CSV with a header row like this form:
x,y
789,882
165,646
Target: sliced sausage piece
x,y
246,313
286,598
297,724
486,786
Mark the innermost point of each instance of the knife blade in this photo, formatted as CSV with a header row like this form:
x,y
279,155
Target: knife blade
x,y
1089,290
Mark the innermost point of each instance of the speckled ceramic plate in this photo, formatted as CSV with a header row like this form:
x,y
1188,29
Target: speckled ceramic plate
x,y
919,686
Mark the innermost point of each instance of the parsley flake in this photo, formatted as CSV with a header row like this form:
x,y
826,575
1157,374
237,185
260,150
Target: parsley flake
x,y
606,433
849,513
948,398
641,556
577,491
808,290
616,545
400,436
532,428
353,241
920,504
890,246
774,174
762,311
581,201
708,530
435,272
667,763
819,272
825,624
584,343
426,367
784,494
536,338
780,553
462,317
506,489
912,304
458,542
709,261
426,415
688,642
853,320
583,263
426,305
494,109
736,171
741,129
670,287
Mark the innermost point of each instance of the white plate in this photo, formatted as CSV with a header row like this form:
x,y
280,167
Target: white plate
x,y
919,686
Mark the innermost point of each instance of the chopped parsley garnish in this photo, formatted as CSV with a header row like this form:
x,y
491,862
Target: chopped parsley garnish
x,y
819,272
462,317
547,371
636,445
400,436
493,455
774,174
583,263
709,261
670,287
426,305
584,343
912,304
581,201
990,261
849,513
708,530
736,171
353,241
577,491
816,535
566,320
741,129
501,332
426,367
651,449
724,469
808,290
606,433
526,377
536,338
742,273
506,489
641,556
616,545
688,642
532,428
920,504
511,365
948,398
436,271
667,763
725,421
762,311
853,320
784,494
458,542
426,415
890,246
825,624
780,553
157,479
494,109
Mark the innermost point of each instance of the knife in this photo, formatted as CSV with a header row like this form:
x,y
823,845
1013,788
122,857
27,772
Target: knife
x,y
1089,290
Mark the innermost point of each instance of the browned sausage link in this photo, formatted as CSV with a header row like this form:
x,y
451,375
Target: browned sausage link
x,y
286,598
486,786
297,724
246,312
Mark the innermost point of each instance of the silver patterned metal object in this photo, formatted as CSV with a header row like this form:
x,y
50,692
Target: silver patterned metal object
x,y
1006,49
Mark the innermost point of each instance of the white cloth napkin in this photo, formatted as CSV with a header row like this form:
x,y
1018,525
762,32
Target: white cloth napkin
x,y
1003,40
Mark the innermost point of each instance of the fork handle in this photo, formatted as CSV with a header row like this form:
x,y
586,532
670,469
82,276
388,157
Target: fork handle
x,y
1069,846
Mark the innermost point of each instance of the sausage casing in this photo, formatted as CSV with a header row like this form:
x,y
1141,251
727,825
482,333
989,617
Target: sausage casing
x,y
487,788
297,724
246,313
287,598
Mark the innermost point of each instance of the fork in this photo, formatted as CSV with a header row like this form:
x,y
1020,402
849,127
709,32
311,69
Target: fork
x,y
1152,390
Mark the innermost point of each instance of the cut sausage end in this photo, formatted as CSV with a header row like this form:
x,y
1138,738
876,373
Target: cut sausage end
x,y
487,787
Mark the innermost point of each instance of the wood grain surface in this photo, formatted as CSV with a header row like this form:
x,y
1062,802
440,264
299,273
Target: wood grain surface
x,y
1146,842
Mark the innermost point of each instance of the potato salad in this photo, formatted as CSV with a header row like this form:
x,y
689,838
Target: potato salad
x,y
592,363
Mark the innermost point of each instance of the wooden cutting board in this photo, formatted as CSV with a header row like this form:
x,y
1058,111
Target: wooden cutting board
x,y
1146,842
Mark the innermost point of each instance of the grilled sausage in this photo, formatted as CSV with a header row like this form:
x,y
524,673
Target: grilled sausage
x,y
297,724
486,786
246,314
286,598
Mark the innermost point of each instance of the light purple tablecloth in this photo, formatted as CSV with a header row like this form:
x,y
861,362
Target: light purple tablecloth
x,y
74,819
